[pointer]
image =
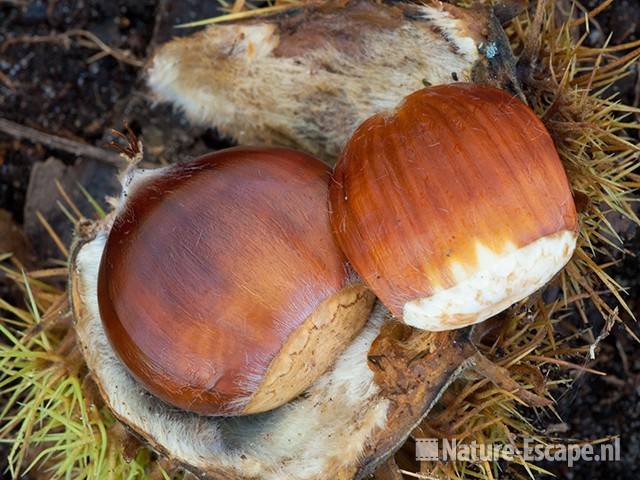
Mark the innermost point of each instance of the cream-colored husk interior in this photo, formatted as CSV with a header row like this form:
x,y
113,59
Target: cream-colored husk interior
x,y
498,281
315,436
232,77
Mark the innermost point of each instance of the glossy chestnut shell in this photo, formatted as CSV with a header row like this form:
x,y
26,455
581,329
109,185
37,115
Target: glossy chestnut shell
x,y
212,268
454,205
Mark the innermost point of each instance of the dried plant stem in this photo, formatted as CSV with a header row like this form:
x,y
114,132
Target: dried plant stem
x,y
55,142
85,38
7,81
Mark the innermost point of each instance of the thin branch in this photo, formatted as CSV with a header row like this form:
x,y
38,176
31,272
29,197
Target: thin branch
x,y
59,143
84,38
7,81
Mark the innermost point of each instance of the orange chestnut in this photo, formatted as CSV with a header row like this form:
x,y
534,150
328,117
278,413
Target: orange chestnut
x,y
220,286
453,206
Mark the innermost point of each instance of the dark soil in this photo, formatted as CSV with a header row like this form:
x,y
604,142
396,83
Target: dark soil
x,y
603,406
49,84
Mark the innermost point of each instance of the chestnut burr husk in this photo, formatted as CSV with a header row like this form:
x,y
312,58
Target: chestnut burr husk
x,y
453,206
359,412
221,287
348,421
309,76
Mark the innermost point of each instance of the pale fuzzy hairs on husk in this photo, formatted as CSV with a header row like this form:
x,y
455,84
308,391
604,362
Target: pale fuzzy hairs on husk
x,y
258,82
297,440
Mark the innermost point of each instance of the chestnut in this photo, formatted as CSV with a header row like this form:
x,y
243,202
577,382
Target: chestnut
x,y
453,206
221,287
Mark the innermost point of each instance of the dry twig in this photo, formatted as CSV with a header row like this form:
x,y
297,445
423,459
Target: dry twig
x,y
4,78
58,143
84,38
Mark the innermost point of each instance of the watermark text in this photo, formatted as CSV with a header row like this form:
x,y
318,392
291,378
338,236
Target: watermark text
x,y
434,449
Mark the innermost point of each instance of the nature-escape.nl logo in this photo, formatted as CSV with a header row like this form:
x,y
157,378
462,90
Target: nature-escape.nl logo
x,y
434,449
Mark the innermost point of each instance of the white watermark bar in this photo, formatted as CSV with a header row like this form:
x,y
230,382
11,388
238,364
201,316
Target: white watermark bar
x,y
434,449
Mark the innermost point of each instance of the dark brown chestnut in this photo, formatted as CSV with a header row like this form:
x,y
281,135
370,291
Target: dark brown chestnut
x,y
220,286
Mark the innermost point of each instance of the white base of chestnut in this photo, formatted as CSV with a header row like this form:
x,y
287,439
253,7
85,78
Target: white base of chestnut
x,y
499,281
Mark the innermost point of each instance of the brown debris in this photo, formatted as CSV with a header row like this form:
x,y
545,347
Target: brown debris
x,y
500,377
410,366
388,471
13,239
42,212
129,443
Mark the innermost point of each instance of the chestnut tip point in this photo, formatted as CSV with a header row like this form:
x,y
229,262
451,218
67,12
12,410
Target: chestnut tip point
x,y
453,206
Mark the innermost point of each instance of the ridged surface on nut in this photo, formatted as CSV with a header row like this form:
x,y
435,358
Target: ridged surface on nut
x,y
426,195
